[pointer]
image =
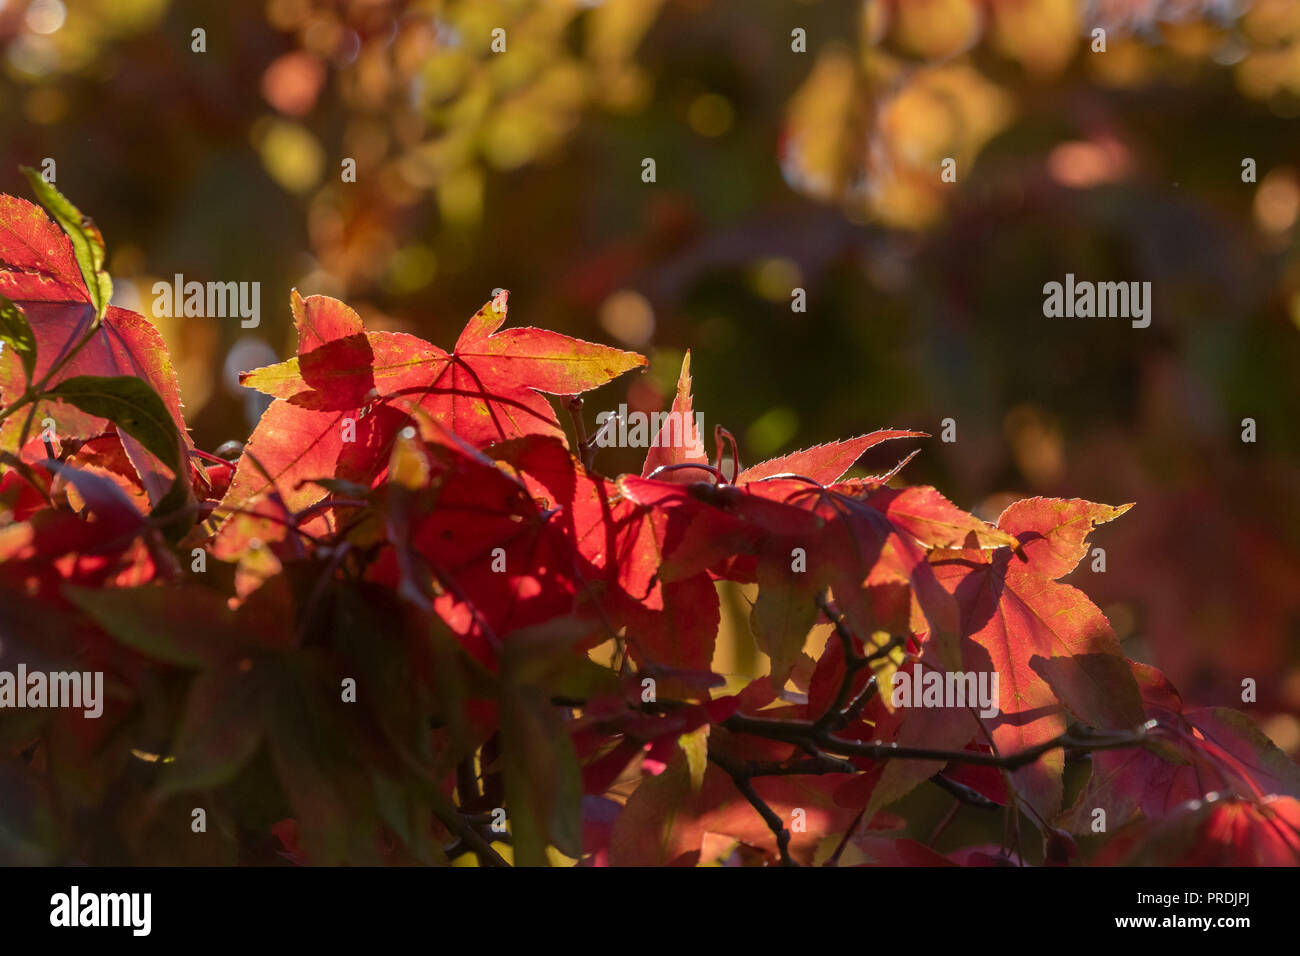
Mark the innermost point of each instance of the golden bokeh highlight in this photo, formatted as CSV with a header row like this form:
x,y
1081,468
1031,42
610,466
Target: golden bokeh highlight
x,y
776,278
1277,201
1083,164
710,114
290,154
1037,445
628,317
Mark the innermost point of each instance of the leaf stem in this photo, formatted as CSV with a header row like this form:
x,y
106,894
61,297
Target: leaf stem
x,y
586,450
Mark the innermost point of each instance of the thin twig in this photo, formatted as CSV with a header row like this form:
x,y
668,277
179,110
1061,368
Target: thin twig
x,y
943,823
964,793
844,711
586,451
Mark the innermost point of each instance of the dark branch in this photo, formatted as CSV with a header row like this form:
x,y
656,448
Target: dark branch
x,y
740,776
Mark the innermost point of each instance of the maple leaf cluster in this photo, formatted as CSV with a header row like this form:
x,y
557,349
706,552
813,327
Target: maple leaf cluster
x,y
410,621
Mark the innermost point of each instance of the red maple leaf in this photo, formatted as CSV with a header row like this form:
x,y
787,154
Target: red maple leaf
x,y
342,399
1190,754
1216,831
469,541
1053,650
39,273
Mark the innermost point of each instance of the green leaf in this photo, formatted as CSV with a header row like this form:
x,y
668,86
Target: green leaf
x,y
542,779
219,731
87,243
27,828
407,810
343,487
547,657
696,747
780,620
305,735
132,405
190,626
17,334
138,411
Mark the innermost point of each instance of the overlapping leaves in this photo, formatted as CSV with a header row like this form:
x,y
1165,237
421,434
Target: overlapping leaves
x,y
522,631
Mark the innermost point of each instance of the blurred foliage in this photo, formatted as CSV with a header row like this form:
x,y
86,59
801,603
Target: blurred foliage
x,y
776,169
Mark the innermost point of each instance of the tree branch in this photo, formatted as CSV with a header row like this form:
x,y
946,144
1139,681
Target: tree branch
x,y
740,776
469,839
964,793
842,711
800,733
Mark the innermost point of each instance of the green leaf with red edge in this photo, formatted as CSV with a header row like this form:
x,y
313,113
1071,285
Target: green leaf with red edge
x,y
1053,650
87,243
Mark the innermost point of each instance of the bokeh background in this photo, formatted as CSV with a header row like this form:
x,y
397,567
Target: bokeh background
x,y
783,161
